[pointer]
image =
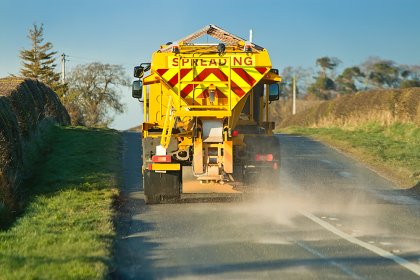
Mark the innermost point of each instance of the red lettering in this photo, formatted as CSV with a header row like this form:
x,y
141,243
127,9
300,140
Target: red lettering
x,y
194,62
184,61
222,62
212,62
248,61
203,62
175,61
237,61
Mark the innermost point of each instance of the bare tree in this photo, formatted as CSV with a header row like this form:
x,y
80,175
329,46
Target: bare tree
x,y
93,93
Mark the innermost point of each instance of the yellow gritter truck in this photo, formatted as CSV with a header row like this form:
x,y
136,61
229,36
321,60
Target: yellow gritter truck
x,y
206,130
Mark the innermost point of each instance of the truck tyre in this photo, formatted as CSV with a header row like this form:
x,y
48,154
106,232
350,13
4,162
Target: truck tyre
x,y
161,187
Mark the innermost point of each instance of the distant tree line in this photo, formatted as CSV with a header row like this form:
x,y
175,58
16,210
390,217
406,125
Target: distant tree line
x,y
326,83
90,94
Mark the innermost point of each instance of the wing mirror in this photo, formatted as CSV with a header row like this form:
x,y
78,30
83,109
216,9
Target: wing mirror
x,y
137,89
274,92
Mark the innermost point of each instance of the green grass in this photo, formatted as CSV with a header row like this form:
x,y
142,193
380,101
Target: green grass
x,y
392,150
66,230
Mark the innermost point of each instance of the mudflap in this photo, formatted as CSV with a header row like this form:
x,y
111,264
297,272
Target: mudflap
x,y
161,187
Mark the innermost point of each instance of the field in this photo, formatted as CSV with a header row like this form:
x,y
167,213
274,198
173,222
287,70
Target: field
x,y
380,128
66,230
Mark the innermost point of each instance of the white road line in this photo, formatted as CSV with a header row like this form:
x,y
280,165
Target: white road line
x,y
345,174
332,262
385,254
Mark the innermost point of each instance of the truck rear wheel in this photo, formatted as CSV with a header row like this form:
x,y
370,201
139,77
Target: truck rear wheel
x,y
161,187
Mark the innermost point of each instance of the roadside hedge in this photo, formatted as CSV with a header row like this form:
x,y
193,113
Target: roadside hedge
x,y
381,106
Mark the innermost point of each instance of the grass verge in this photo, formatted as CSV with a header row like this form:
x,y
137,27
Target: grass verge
x,y
66,230
393,151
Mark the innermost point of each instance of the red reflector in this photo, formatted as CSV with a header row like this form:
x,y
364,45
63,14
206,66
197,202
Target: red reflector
x,y
235,133
161,158
149,167
267,157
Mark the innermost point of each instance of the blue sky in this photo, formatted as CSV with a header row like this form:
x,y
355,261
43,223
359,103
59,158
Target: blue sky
x,y
295,32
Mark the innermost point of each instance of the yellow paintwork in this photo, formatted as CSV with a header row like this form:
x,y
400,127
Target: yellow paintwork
x,y
166,166
180,85
190,86
180,74
189,81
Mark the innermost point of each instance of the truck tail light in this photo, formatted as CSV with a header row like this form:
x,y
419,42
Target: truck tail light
x,y
235,133
265,157
166,158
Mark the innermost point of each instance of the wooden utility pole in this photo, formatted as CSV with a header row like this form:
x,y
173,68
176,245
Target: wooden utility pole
x,y
63,68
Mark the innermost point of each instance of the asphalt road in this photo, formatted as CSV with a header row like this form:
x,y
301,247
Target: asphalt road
x,y
330,218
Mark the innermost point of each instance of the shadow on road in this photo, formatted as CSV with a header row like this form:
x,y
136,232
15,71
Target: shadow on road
x,y
128,260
